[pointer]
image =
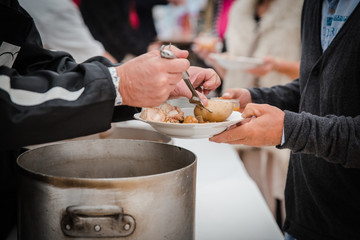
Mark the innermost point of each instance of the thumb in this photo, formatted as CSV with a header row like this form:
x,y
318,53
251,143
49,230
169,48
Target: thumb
x,y
251,110
178,52
227,95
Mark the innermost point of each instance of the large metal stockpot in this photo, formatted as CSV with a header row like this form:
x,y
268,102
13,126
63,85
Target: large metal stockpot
x,y
108,189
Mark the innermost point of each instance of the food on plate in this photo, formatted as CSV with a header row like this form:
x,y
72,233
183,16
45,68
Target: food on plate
x,y
190,119
221,110
164,113
235,102
153,114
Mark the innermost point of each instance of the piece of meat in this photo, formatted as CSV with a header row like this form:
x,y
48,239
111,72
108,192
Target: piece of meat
x,y
166,108
175,116
164,113
153,114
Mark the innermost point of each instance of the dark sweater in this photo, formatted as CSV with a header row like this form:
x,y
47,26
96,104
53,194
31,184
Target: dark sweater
x,y
322,128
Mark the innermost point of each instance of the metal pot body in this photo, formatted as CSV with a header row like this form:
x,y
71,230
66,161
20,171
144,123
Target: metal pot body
x,y
107,189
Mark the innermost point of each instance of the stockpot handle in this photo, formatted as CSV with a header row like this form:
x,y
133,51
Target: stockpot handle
x,y
99,221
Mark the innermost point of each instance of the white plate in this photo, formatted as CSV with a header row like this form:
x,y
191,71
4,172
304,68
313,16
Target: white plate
x,y
236,62
193,130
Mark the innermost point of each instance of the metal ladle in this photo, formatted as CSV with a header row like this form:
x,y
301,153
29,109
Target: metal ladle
x,y
195,99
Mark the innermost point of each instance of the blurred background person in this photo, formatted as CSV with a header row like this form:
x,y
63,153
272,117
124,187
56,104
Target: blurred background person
x,y
215,20
267,29
270,30
211,36
62,28
147,28
135,31
109,22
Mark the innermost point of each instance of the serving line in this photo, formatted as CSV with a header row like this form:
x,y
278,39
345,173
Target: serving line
x,y
229,205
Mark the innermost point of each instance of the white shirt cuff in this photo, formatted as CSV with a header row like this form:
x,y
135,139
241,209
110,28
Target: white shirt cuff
x,y
116,81
283,138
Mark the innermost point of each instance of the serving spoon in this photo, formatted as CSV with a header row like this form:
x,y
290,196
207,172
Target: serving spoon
x,y
195,99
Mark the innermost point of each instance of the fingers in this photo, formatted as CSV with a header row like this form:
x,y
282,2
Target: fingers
x,y
252,109
205,78
263,127
212,80
169,66
173,78
228,95
232,93
175,65
233,135
238,135
153,83
269,60
178,52
181,90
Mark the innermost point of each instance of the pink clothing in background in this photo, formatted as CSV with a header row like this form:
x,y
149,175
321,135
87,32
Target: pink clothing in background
x,y
133,17
222,19
77,2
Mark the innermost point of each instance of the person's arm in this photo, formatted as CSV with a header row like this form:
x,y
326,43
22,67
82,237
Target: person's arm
x,y
282,96
45,95
65,100
334,138
286,67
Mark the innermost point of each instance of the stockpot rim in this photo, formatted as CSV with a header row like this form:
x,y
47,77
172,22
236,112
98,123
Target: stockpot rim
x,y
60,181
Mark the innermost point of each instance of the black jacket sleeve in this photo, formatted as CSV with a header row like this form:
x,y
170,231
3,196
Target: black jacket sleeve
x,y
45,95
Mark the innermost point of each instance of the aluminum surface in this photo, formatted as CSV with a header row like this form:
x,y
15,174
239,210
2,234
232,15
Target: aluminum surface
x,y
153,183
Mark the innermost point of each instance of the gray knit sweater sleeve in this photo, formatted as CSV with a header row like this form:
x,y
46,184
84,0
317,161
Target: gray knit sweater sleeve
x,y
282,96
333,138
